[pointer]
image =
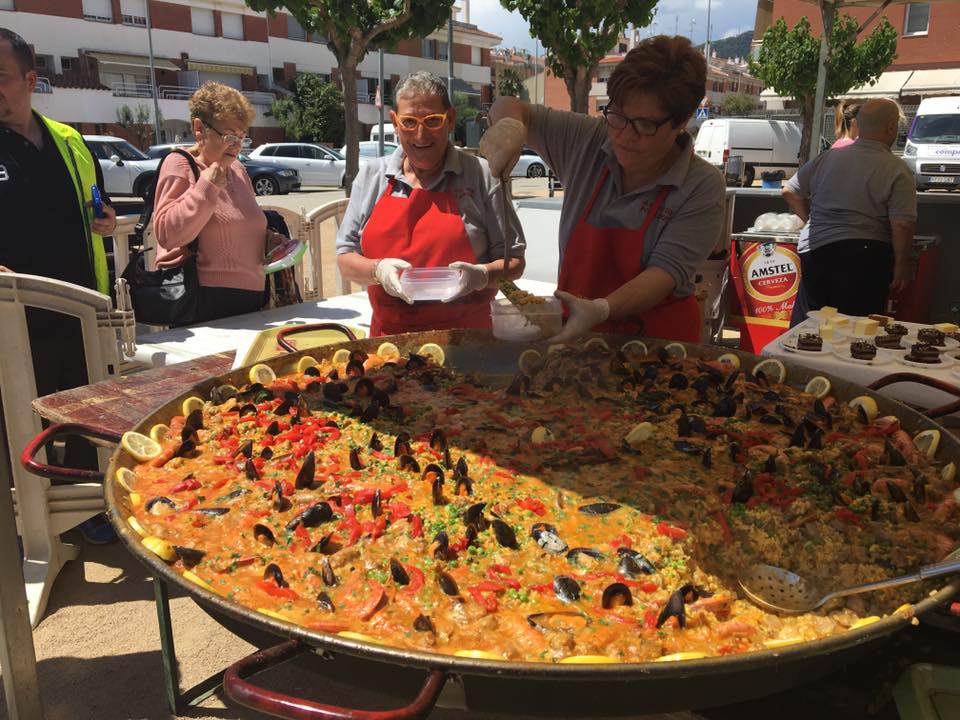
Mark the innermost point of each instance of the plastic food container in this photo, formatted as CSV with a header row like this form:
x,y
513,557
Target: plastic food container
x,y
509,323
432,283
286,254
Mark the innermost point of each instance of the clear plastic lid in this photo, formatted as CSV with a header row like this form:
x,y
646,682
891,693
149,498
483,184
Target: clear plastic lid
x,y
430,283
286,254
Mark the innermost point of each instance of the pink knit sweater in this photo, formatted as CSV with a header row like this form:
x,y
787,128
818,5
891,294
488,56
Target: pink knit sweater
x,y
231,226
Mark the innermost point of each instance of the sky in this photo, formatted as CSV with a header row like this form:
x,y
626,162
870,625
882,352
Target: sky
x,y
728,17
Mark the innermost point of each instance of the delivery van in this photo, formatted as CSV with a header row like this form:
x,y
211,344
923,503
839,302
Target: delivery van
x,y
765,145
389,134
932,150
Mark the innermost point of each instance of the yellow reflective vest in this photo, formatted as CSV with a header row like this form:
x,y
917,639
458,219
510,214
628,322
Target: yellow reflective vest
x,y
83,170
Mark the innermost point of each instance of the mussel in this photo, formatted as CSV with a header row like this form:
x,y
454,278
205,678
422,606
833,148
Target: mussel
x,y
894,456
436,491
633,563
725,407
160,505
194,421
573,555
401,445
376,505
566,588
601,508
707,458
798,436
375,443
316,514
675,606
442,551
547,538
615,595
327,574
438,440
743,490
504,534
273,428
246,450
323,600
189,556
354,369
431,472
424,624
273,572
687,447
263,535
307,472
280,503
408,462
399,573
474,516
356,463
212,511
447,583
364,388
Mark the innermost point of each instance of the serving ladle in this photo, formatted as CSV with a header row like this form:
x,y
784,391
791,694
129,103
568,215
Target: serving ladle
x,y
781,591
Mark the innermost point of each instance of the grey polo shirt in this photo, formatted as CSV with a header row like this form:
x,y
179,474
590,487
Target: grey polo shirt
x,y
476,190
686,229
854,192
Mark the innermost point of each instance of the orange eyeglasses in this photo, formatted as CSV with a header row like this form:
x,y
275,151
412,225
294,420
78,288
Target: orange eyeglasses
x,y
410,123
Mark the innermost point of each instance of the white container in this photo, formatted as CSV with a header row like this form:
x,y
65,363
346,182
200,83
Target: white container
x,y
510,324
432,283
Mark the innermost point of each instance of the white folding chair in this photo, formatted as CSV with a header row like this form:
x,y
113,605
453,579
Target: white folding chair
x,y
44,511
321,232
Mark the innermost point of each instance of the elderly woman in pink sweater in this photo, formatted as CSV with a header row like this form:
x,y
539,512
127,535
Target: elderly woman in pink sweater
x,y
219,208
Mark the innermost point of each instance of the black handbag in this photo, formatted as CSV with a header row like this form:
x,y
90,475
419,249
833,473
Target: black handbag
x,y
167,296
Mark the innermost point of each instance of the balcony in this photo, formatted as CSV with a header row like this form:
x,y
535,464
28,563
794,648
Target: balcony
x,y
370,98
180,92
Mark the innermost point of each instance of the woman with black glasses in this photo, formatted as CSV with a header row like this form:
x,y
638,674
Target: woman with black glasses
x,y
641,212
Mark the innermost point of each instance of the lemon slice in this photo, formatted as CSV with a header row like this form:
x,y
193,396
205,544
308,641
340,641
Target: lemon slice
x,y
136,526
341,356
126,478
306,362
782,642
350,635
388,351
773,369
159,432
729,359
262,374
135,499
140,446
818,387
541,435
588,660
274,614
867,404
690,655
595,343
863,622
190,404
927,442
478,654
197,580
434,352
530,361
675,350
160,547
633,347
555,348
949,472
639,434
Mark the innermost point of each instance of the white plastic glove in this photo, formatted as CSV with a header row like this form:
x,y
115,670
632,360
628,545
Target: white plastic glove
x,y
584,314
501,145
472,278
387,273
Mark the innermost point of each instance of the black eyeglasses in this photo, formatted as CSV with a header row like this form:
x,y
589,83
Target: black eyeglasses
x,y
228,139
644,127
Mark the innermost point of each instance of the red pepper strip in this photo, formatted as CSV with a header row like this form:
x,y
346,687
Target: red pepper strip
x,y
416,526
364,609
725,526
489,601
187,505
621,541
259,462
955,609
191,484
379,455
222,459
533,505
364,495
416,580
332,432
398,510
271,589
256,513
849,478
219,483
302,533
833,437
849,516
356,530
675,533
546,587
650,619
394,489
863,462
379,527
499,570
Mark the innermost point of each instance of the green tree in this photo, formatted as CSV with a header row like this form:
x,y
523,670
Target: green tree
x,y
315,114
465,113
576,35
510,82
352,27
739,104
789,58
138,121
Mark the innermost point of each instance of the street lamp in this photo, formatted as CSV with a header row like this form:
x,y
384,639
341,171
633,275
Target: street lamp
x,y
157,132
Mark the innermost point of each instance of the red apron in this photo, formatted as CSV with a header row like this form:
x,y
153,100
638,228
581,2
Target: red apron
x,y
426,230
598,260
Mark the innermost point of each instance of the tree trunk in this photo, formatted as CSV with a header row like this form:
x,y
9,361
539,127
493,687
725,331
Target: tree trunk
x,y
806,105
578,81
348,82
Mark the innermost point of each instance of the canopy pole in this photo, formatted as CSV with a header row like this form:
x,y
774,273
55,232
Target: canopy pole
x,y
827,12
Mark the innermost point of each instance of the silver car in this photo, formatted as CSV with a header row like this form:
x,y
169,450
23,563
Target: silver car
x,y
126,170
529,165
316,164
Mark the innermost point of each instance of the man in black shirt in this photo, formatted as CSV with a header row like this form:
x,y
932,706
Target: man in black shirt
x,y
48,225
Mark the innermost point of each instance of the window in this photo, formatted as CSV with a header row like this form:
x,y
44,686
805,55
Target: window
x,y
916,19
312,153
290,151
442,51
201,21
428,48
295,30
68,64
98,10
43,63
269,151
134,12
278,75
6,4
232,25
475,56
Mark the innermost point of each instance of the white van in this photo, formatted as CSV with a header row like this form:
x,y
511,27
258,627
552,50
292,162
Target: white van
x,y
765,145
389,134
933,144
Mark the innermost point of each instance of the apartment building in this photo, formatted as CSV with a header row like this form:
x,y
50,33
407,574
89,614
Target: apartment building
x,y
92,59
928,54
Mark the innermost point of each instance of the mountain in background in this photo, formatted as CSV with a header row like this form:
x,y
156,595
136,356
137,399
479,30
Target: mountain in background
x,y
737,46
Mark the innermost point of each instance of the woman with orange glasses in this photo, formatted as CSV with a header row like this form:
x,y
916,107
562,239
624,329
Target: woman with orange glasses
x,y
427,205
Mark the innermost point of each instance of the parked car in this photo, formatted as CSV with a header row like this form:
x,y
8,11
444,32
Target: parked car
x,y
368,149
126,170
389,133
529,165
267,179
933,144
317,165
764,145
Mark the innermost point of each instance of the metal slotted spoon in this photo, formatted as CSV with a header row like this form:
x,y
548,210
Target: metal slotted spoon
x,y
782,591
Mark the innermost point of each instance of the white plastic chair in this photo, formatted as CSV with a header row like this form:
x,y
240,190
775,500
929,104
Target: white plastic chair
x,y
45,511
321,244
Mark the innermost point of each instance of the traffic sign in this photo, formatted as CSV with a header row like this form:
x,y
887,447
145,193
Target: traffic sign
x,y
703,113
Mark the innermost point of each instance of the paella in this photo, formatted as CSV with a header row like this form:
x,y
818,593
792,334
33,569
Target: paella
x,y
596,507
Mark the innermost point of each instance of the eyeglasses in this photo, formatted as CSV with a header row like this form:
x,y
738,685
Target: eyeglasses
x,y
228,139
644,127
411,123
